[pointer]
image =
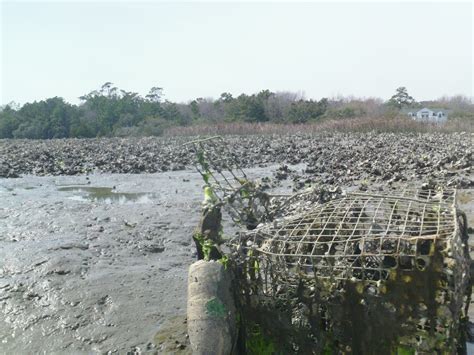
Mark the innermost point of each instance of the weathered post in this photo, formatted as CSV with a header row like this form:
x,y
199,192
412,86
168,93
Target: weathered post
x,y
211,309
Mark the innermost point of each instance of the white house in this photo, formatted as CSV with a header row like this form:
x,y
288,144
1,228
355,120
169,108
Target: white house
x,y
427,115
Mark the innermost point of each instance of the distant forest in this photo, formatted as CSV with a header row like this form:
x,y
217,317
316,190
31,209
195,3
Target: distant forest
x,y
110,111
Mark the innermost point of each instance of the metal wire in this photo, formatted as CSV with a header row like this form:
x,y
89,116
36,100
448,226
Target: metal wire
x,y
329,262
396,255
218,165
361,236
222,172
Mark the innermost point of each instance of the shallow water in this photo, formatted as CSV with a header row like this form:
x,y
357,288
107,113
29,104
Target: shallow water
x,y
107,195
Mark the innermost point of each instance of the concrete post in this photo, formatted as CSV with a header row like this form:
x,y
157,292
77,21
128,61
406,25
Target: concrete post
x,y
211,310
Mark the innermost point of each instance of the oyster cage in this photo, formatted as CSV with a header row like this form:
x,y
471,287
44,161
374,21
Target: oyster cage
x,y
368,273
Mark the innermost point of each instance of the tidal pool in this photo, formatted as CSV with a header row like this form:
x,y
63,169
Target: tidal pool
x,y
107,195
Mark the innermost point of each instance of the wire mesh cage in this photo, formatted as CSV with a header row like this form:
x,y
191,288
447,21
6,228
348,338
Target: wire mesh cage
x,y
395,265
360,235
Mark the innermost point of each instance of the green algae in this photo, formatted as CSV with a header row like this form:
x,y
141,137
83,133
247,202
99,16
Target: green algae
x,y
216,308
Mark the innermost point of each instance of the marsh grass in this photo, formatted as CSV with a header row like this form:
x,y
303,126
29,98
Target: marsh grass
x,y
396,124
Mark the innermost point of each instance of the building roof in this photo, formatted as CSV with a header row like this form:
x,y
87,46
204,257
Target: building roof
x,y
433,109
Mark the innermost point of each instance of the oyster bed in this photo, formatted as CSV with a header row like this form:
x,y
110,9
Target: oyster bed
x,y
335,158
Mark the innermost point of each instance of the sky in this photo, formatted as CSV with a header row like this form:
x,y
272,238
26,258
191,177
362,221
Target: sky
x,y
199,49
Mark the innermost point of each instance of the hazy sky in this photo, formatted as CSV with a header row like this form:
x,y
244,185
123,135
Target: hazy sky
x,y
203,49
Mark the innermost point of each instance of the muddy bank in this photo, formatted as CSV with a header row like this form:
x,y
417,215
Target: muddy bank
x,y
334,158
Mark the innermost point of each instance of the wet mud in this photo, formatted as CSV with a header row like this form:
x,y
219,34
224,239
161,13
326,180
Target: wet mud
x,y
87,269
97,263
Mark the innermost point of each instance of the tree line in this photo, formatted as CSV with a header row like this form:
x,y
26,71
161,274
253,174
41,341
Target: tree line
x,y
110,111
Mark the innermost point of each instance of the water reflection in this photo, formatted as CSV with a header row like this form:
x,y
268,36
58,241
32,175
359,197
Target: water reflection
x,y
107,195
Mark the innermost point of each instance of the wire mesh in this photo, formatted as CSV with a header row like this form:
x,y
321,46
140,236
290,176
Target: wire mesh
x,y
221,171
218,165
394,263
361,236
369,272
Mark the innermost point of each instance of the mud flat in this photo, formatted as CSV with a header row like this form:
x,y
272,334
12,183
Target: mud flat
x,y
97,261
88,271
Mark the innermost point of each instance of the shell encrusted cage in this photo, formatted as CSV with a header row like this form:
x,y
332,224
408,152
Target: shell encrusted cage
x,y
368,273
